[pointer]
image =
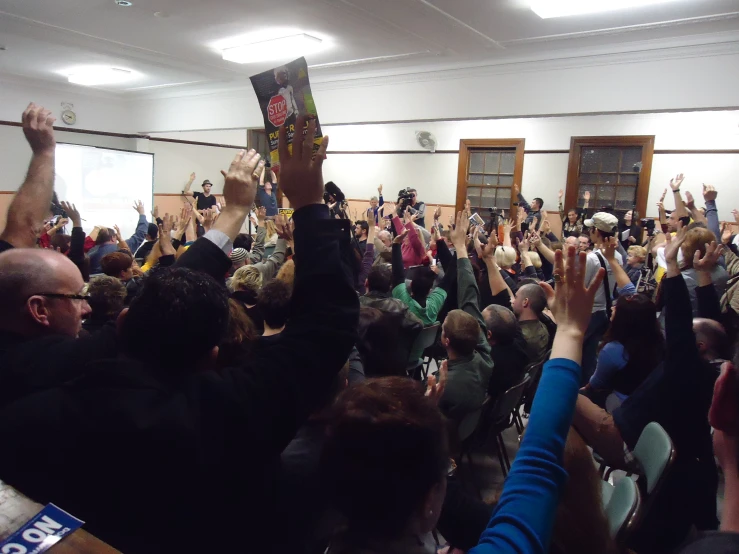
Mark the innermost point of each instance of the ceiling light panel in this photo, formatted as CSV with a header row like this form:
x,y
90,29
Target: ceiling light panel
x,y
547,9
277,49
97,76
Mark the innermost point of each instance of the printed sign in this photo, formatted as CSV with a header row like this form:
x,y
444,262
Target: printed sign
x,y
43,531
285,211
284,93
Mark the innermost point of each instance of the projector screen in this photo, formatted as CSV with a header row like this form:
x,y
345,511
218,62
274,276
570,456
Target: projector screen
x,y
104,184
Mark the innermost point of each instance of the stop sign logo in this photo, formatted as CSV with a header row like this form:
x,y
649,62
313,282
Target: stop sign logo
x,y
277,110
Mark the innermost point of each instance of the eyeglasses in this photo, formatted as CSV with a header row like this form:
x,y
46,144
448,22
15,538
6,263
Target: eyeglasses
x,y
62,295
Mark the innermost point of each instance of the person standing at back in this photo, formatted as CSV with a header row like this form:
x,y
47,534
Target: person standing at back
x,y
203,200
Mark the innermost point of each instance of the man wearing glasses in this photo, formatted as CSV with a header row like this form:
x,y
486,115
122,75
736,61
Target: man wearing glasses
x,y
418,209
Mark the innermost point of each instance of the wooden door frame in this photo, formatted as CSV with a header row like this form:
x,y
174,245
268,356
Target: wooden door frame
x,y
467,145
576,146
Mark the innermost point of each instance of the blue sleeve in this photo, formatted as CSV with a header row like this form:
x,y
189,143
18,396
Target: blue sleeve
x,y
137,239
524,517
380,202
627,289
611,360
522,202
712,219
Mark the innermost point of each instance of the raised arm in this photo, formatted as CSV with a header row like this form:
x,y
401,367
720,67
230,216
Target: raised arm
x,y
675,186
77,244
524,517
709,305
397,258
186,191
521,200
709,196
31,203
137,239
546,252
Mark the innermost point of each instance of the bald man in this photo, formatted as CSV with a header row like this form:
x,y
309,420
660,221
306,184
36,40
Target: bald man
x,y
40,317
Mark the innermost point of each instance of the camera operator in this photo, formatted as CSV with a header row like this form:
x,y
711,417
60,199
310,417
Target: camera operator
x,y
409,198
335,199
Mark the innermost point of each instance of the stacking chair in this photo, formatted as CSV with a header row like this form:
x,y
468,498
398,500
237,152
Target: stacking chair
x,y
502,417
425,338
655,453
621,504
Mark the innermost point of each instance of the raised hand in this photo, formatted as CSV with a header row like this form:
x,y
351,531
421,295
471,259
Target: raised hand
x,y
209,218
516,190
586,196
139,207
407,217
192,176
165,235
437,213
710,259
261,215
534,239
572,302
726,233
561,194
72,212
118,234
301,175
458,235
676,182
399,238
546,225
662,198
709,192
155,213
434,388
284,230
379,190
488,251
242,179
609,249
524,246
38,127
689,201
735,213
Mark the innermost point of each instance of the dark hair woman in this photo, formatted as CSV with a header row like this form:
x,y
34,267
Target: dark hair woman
x,y
631,348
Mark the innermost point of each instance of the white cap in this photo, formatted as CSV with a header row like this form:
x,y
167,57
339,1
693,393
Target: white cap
x,y
603,221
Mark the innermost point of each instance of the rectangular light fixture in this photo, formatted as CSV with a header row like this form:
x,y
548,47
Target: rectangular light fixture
x,y
95,76
547,9
283,48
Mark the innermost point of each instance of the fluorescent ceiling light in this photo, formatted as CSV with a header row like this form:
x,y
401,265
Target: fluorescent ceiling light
x,y
94,76
562,8
288,47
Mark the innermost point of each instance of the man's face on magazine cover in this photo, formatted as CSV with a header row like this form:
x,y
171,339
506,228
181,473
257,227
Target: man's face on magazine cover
x,y
282,78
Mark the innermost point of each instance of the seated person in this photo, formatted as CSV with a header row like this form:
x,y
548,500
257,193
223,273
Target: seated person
x,y
463,335
677,395
420,299
238,259
508,349
107,240
505,257
120,265
637,257
107,297
245,285
528,305
631,348
379,285
273,302
150,240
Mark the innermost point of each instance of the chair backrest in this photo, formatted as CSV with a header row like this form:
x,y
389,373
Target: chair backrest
x,y
655,452
621,504
425,338
508,401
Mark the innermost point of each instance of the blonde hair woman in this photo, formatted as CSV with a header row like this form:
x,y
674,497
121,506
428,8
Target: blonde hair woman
x,y
245,285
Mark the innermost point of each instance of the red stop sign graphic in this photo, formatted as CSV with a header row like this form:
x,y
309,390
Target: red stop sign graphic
x,y
277,110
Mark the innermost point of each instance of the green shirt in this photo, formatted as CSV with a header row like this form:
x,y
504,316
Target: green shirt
x,y
434,302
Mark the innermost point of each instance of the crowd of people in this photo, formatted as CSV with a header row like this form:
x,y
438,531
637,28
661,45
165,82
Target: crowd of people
x,y
228,379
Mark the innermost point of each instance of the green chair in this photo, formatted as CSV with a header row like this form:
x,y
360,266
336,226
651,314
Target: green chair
x,y
655,453
621,504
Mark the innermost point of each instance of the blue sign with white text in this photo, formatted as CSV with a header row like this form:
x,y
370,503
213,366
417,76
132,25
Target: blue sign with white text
x,y
43,531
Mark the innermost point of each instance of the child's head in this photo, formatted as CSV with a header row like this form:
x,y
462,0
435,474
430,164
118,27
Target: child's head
x,y
637,255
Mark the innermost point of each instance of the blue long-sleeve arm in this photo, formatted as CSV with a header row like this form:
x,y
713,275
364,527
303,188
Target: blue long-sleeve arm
x,y
137,239
523,520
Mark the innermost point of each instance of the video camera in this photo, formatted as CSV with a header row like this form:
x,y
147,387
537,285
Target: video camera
x,y
648,224
405,195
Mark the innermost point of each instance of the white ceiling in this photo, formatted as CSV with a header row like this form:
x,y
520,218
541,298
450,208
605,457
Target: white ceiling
x,y
170,42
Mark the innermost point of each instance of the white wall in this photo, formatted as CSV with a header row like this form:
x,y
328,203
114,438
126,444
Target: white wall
x,y
95,110
669,79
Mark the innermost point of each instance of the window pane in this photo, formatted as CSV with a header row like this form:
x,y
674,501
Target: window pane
x,y
607,178
492,162
606,196
506,180
588,178
627,179
507,162
504,199
583,190
488,197
589,161
476,162
626,194
491,180
630,157
609,158
473,195
474,179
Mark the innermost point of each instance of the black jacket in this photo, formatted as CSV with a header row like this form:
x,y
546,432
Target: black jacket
x,y
187,464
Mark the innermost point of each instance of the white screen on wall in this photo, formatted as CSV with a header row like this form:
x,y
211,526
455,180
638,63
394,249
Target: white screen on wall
x,y
104,184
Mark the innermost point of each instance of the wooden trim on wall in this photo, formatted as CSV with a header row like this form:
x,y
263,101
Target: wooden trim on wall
x,y
576,145
465,145
73,130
